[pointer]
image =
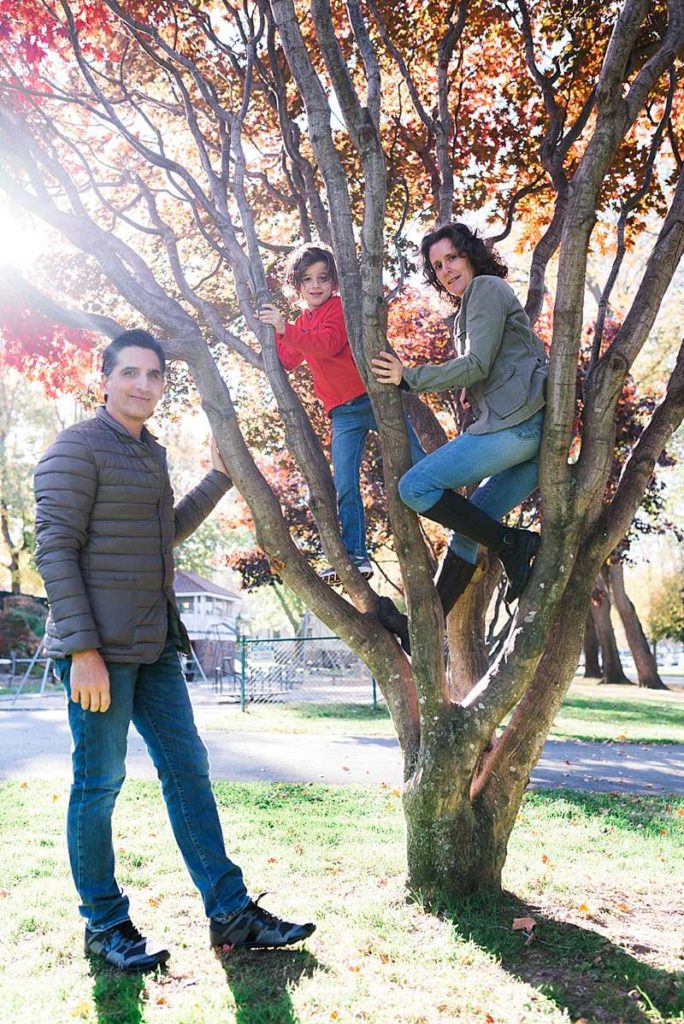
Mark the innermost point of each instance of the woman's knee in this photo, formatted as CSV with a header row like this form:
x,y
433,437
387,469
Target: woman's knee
x,y
408,492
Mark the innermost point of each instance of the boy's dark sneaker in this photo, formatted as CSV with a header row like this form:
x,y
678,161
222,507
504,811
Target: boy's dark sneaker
x,y
330,575
125,948
254,928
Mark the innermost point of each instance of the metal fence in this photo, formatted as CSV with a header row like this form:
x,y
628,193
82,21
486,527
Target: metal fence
x,y
295,670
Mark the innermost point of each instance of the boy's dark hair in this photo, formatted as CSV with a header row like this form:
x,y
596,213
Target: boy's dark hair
x,y
139,339
301,259
482,258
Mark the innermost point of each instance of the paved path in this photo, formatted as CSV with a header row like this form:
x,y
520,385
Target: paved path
x,y
35,744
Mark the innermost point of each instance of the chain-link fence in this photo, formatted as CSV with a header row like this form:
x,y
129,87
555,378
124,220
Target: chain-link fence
x,y
295,670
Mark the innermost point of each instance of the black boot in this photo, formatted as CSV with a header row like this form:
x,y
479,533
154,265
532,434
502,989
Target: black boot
x,y
453,577
515,548
394,620
516,551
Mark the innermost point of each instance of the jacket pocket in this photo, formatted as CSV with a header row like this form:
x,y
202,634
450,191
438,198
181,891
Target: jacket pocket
x,y
507,395
114,603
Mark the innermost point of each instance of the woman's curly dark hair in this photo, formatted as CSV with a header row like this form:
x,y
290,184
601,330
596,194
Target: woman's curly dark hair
x,y
467,243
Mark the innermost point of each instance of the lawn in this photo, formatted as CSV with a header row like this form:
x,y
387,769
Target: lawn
x,y
600,876
623,714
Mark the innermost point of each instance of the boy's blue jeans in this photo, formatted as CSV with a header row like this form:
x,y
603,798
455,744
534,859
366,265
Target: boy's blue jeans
x,y
350,425
509,458
155,698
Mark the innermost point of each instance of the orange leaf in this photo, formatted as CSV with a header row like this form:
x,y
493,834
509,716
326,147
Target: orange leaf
x,y
621,737
334,1015
153,902
396,792
583,908
272,860
24,785
680,812
545,858
624,908
523,924
354,968
55,797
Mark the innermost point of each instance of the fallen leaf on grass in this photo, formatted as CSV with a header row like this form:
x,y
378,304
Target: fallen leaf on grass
x,y
334,1015
24,785
624,908
153,902
583,908
489,1019
298,848
83,1008
161,1000
545,858
680,812
523,924
354,968
272,860
4,894
621,737
396,792
55,797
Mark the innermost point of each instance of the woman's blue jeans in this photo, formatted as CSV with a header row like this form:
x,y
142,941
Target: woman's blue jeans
x,y
155,698
509,458
350,425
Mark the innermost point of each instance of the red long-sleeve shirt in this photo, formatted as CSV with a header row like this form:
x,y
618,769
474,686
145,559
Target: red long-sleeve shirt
x,y
319,338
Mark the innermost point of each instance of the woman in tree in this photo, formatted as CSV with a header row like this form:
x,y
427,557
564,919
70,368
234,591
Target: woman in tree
x,y
501,371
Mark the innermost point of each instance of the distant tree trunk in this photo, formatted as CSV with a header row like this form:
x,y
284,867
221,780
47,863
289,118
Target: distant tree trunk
x,y
610,656
14,551
592,662
644,660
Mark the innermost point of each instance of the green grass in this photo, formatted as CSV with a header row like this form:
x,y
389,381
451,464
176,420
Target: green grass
x,y
624,714
600,875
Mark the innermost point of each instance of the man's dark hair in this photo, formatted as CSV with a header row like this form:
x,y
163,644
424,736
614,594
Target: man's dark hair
x,y
301,259
139,339
482,258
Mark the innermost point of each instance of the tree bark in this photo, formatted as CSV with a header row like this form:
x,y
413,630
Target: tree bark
x,y
592,662
610,656
647,669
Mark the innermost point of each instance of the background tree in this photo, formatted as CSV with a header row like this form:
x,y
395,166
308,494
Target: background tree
x,y
170,143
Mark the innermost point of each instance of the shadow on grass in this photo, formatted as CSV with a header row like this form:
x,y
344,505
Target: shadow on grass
x,y
575,967
118,997
616,710
262,980
633,813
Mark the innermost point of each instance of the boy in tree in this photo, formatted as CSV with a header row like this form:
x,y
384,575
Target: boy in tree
x,y
318,337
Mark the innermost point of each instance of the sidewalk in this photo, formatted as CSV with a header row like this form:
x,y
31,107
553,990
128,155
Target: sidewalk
x,y
35,742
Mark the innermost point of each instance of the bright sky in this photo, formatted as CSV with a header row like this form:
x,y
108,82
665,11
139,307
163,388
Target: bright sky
x,y
22,237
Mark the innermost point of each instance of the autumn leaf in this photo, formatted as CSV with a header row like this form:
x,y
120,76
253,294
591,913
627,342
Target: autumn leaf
x,y
55,797
272,860
624,908
523,924
545,858
583,908
83,1008
153,902
621,737
396,792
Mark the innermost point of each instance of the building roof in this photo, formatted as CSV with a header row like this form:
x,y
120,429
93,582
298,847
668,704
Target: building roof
x,y
185,583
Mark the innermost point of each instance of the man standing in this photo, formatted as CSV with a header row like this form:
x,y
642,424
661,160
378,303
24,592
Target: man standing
x,y
105,528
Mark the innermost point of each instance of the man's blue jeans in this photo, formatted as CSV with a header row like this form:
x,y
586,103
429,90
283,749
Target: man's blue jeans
x,y
155,698
509,458
350,425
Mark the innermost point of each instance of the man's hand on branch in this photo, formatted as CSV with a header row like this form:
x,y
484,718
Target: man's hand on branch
x,y
216,460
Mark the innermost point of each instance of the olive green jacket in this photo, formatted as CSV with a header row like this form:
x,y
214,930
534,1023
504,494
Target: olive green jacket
x,y
501,361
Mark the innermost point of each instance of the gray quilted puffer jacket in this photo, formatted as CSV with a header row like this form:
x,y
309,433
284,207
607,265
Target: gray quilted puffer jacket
x,y
105,530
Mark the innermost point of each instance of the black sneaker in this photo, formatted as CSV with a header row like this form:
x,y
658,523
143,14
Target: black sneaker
x,y
254,928
125,948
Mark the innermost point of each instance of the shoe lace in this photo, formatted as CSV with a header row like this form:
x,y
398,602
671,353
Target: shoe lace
x,y
266,917
129,931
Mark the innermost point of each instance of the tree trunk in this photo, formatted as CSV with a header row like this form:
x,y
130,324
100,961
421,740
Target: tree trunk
x,y
647,669
592,661
610,656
